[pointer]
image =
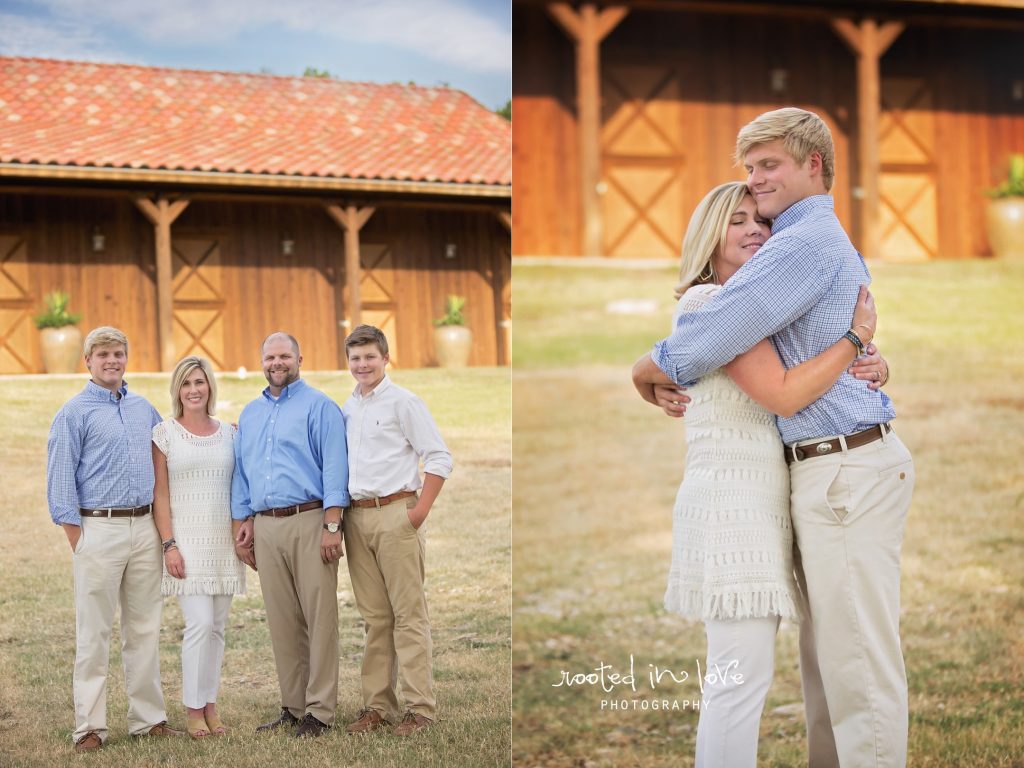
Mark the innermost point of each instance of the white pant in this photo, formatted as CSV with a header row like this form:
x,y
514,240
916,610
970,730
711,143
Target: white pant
x,y
849,512
117,563
202,647
740,664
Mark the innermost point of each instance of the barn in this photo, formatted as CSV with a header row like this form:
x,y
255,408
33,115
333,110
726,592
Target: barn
x,y
198,211
626,113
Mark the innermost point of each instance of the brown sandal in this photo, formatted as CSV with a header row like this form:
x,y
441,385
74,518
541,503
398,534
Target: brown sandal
x,y
217,728
197,727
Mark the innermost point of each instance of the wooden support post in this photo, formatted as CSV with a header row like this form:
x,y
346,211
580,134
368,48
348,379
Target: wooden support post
x,y
505,218
869,41
161,214
351,220
587,28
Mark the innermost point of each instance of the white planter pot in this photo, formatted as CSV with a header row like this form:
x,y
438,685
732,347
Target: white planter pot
x,y
62,349
1005,222
452,344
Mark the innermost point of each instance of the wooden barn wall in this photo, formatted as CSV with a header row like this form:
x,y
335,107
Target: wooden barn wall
x,y
116,287
676,87
976,122
545,161
240,287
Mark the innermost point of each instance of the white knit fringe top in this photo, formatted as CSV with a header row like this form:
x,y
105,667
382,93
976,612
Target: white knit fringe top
x,y
199,471
731,533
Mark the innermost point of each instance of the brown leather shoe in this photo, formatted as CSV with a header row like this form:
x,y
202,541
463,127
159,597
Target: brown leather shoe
x,y
368,720
411,723
311,727
163,729
89,743
287,719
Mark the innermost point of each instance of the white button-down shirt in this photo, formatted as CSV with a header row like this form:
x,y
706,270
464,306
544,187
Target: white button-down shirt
x,y
389,431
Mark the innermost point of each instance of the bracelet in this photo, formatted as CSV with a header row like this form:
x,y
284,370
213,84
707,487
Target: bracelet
x,y
169,544
854,339
870,330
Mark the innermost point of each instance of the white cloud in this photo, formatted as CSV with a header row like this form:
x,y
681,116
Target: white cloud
x,y
54,39
450,31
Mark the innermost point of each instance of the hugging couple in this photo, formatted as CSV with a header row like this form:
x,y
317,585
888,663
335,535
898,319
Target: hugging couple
x,y
796,486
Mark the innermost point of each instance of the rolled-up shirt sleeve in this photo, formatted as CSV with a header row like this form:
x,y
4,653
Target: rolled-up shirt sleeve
x,y
778,285
63,454
423,435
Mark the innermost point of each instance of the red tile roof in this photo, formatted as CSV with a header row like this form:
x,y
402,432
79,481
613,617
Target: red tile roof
x,y
125,116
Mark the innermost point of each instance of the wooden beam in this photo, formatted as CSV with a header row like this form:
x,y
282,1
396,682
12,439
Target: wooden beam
x,y
869,41
162,215
505,217
587,28
351,219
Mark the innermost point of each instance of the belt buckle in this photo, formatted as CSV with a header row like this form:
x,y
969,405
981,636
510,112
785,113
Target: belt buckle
x,y
823,448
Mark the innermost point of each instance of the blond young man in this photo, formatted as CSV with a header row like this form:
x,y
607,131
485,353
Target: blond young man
x,y
389,431
100,491
851,478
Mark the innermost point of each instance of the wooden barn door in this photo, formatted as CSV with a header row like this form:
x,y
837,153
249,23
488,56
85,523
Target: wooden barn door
x,y
18,339
909,206
642,161
198,304
378,293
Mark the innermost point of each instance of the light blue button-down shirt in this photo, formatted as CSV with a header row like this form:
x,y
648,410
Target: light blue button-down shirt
x,y
800,289
98,454
290,450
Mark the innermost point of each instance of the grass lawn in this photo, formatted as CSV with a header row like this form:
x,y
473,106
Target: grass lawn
x,y
596,471
468,575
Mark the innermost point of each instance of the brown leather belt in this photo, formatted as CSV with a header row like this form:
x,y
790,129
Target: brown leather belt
x,y
383,500
294,509
828,447
113,512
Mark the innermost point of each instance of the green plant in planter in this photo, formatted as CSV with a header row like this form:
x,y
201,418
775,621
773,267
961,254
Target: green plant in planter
x,y
55,314
1014,184
452,312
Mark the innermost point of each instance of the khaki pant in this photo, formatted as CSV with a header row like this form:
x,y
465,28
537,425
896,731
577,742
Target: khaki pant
x,y
386,563
117,562
849,512
300,593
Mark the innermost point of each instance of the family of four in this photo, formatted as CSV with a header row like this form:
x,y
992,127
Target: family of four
x,y
298,480
796,489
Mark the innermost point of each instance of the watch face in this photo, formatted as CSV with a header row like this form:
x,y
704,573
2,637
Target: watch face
x,y
331,527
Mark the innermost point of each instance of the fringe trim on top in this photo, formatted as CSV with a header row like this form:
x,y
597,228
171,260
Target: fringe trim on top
x,y
747,604
228,585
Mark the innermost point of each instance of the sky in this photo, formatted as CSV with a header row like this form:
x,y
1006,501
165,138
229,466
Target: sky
x,y
464,44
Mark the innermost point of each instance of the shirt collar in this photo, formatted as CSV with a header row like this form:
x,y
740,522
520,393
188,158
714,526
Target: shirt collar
x,y
800,209
381,387
102,393
292,389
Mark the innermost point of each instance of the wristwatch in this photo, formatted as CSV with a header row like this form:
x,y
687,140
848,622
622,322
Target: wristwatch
x,y
332,527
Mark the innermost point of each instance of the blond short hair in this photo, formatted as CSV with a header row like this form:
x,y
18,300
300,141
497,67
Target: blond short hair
x,y
801,132
104,336
181,372
706,232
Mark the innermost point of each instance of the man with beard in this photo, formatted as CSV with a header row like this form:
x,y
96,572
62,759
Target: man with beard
x,y
291,478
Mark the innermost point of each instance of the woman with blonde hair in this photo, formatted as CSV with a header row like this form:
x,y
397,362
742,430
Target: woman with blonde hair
x,y
732,552
194,459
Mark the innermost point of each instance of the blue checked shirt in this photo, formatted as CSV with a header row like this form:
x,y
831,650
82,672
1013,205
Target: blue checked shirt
x,y
98,454
800,289
289,450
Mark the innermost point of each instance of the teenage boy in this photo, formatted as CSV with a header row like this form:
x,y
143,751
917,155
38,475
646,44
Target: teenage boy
x,y
99,484
389,430
851,476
